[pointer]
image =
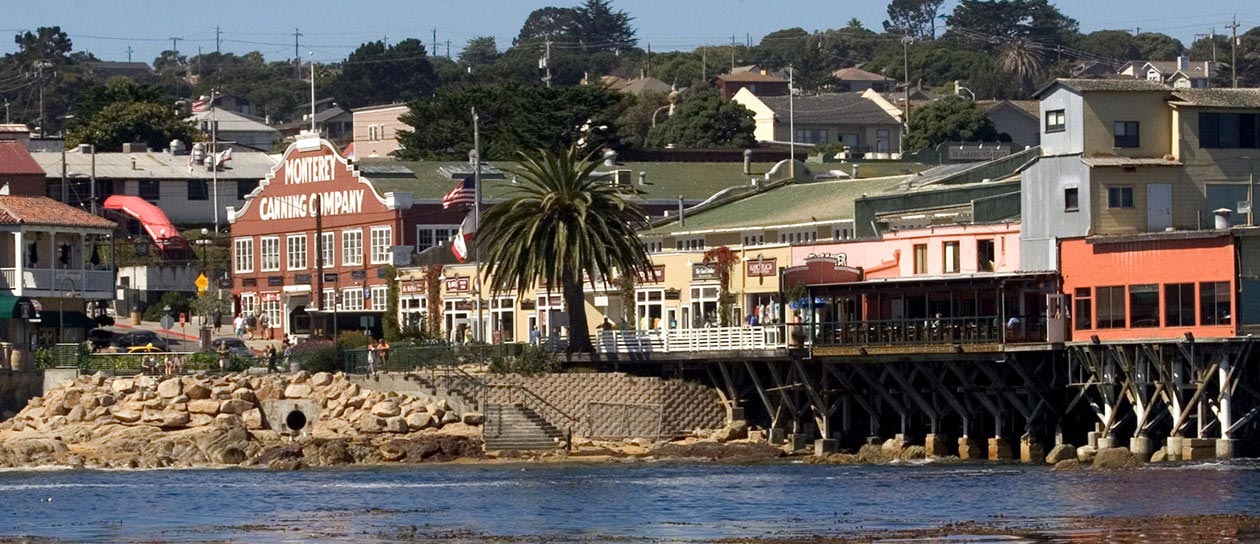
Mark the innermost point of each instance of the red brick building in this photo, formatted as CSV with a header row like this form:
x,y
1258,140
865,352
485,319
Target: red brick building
x,y
313,232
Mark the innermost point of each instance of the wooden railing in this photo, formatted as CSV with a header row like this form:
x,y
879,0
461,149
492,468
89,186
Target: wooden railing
x,y
893,332
689,340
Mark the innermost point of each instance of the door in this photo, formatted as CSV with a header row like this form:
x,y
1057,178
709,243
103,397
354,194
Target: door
x,y
1158,206
883,140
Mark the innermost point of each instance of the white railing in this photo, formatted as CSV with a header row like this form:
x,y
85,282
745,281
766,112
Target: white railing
x,y
689,340
58,281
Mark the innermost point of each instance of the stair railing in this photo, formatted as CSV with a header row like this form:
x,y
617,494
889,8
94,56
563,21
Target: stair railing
x,y
519,394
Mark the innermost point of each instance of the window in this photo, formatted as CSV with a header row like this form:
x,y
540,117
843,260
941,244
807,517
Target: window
x,y
1055,121
502,324
1144,306
271,306
1119,197
328,300
380,294
198,190
328,249
382,240
352,299
985,258
244,188
269,249
811,135
1179,305
754,239
351,247
840,233
428,236
920,258
244,254
1229,130
1111,312
150,190
653,246
952,255
295,246
1126,133
249,303
690,244
1084,313
1071,199
1214,303
799,236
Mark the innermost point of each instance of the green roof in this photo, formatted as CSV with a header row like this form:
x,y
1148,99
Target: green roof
x,y
665,180
788,204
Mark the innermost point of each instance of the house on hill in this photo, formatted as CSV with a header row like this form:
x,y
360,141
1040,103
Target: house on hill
x,y
864,122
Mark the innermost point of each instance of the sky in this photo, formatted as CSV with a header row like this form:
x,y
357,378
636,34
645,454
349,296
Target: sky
x,y
332,28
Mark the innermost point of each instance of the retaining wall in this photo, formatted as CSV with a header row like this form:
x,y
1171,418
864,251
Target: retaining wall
x,y
17,387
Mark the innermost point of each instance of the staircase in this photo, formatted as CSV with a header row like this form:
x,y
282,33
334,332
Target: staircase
x,y
517,427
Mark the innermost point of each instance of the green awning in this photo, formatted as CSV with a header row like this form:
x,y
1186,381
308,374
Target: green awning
x,y
13,307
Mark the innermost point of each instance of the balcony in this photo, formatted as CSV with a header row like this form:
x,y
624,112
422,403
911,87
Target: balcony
x,y
689,340
49,282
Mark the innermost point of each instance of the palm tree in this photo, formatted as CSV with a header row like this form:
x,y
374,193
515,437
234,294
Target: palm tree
x,y
560,225
1025,61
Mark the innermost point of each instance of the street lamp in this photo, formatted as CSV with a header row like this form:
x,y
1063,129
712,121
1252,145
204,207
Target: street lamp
x,y
61,310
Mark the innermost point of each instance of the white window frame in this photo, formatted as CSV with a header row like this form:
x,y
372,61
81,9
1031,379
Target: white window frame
x,y
269,261
798,236
379,295
244,255
839,233
382,238
754,239
328,300
352,254
328,246
689,244
434,238
352,299
653,246
249,303
295,251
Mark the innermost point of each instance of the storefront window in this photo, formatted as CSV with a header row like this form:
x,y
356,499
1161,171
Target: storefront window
x,y
1111,312
1084,313
244,248
351,247
382,239
352,299
1144,306
295,244
1214,303
1179,305
704,307
502,320
649,308
380,296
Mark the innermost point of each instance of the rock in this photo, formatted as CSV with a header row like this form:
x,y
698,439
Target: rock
x,y
368,423
320,379
474,418
286,464
301,377
122,385
434,409
197,390
97,379
269,391
1061,452
127,416
175,418
204,406
253,419
200,420
912,452
396,424
235,406
228,420
1114,458
297,390
385,409
105,400
450,417
231,455
170,388
419,420
892,447
1068,464
1160,456
1085,454
244,394
76,414
182,399
334,452
871,453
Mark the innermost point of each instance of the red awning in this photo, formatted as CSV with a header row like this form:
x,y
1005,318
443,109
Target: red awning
x,y
155,222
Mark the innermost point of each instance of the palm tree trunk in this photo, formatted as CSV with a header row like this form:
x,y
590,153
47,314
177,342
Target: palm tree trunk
x,y
579,332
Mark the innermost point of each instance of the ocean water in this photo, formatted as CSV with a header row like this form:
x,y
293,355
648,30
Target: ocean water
x,y
631,502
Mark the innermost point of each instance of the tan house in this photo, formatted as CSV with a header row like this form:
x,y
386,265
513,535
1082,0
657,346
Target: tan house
x,y
854,79
865,122
376,130
1182,73
756,82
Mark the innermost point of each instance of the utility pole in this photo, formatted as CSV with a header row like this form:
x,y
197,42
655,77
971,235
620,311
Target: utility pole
x,y
791,123
732,53
129,52
6,112
214,158
39,75
704,64
545,63
1213,40
1233,50
434,51
448,49
905,51
647,62
476,249
319,255
297,56
218,38
175,45
314,129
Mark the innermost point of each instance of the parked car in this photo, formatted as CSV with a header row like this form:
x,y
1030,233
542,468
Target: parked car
x,y
99,339
132,339
235,345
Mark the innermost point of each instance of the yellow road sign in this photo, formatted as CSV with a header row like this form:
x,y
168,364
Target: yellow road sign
x,y
201,283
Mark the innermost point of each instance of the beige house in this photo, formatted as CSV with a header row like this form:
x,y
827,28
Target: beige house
x,y
865,122
376,130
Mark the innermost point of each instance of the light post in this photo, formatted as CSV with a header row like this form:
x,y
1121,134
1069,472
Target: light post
x,y
61,310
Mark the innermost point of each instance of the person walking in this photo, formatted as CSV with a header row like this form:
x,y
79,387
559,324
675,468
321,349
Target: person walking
x,y
238,325
217,318
372,354
382,352
272,359
251,323
264,326
288,354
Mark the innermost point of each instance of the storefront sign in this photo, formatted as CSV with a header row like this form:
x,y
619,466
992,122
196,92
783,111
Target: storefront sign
x,y
330,276
302,206
704,271
986,152
270,297
657,275
528,304
249,282
410,287
761,268
302,279
673,294
275,281
464,305
225,283
457,285
358,275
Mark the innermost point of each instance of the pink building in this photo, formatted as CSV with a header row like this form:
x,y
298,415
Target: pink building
x,y
932,251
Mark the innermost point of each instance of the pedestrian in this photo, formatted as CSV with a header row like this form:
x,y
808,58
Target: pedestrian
x,y
288,353
533,335
372,354
264,326
238,325
251,323
382,351
218,320
168,364
224,355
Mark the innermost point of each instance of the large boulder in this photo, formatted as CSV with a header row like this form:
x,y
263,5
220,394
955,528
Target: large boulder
x,y
1085,454
368,423
1160,455
298,390
127,416
321,379
385,409
204,406
872,453
197,390
1114,458
122,385
474,418
170,388
1061,452
419,420
396,424
235,406
912,452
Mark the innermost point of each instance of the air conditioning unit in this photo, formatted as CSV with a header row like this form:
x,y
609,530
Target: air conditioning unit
x,y
624,177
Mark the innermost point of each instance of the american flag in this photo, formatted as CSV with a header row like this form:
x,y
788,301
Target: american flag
x,y
202,105
464,193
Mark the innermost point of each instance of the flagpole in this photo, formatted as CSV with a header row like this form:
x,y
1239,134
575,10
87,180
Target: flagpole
x,y
476,250
214,160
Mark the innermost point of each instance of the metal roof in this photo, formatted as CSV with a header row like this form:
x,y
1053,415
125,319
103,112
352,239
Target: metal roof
x,y
230,121
151,165
1128,161
840,108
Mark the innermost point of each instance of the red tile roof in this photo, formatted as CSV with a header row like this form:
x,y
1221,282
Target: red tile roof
x,y
41,210
16,160
750,77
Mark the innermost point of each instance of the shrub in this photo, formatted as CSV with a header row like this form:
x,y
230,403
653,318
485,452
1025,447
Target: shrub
x,y
178,303
210,361
352,339
318,355
528,361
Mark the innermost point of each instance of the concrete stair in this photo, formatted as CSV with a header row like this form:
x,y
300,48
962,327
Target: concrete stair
x,y
517,427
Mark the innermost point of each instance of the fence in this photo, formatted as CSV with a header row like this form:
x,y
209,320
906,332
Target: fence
x,y
683,340
405,358
617,420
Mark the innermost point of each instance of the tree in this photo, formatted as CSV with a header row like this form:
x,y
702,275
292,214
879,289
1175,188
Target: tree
x,y
603,29
1208,48
636,117
548,22
122,122
376,74
560,225
1023,60
116,89
1113,44
780,48
1005,20
705,121
1158,46
723,260
949,119
480,51
914,18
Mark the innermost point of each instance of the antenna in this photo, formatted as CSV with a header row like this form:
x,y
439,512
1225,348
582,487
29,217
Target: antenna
x,y
175,44
129,52
218,38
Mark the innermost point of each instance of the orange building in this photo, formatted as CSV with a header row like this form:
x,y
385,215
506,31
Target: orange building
x,y
1149,286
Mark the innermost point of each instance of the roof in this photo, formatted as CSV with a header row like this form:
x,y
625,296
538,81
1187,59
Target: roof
x,y
41,210
16,160
854,73
665,180
153,165
613,83
750,77
380,107
1127,161
645,85
321,116
1217,98
230,121
1031,107
1105,85
847,108
14,128
787,205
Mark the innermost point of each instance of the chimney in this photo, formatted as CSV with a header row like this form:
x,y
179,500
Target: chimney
x,y
642,178
748,161
1183,63
1222,218
682,218
610,157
